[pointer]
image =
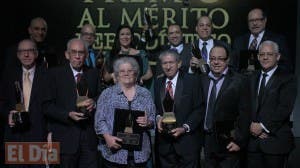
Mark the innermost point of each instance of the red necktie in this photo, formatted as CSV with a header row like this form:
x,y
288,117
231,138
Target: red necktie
x,y
169,89
78,77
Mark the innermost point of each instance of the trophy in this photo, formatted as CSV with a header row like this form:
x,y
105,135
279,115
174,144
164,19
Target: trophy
x,y
21,117
127,129
204,68
168,118
82,96
147,21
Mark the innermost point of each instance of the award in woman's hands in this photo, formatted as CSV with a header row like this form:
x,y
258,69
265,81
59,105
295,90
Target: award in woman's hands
x,y
82,96
21,117
168,119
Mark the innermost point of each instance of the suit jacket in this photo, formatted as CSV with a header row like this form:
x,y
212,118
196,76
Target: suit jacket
x,y
185,57
274,112
38,126
188,109
241,44
60,99
232,106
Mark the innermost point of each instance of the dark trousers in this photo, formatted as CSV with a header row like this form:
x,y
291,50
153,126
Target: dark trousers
x,y
216,156
263,160
108,164
83,158
172,159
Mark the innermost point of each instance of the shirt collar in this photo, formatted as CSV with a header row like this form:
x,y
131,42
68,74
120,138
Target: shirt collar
x,y
179,48
75,72
270,73
31,70
210,74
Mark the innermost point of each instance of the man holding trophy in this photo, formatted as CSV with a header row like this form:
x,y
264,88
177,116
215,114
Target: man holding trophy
x,y
179,114
26,122
70,104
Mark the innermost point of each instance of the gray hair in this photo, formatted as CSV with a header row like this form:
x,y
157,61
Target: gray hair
x,y
171,53
77,39
126,60
271,43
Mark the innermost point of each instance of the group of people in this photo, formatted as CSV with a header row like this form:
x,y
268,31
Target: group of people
x,y
239,114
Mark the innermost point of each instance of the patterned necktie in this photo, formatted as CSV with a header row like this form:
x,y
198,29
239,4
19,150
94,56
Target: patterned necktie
x,y
253,44
78,77
204,51
169,89
26,89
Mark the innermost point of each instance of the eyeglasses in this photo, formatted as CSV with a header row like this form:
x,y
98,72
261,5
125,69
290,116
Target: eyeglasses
x,y
211,59
268,54
77,52
29,51
256,20
88,34
124,72
168,62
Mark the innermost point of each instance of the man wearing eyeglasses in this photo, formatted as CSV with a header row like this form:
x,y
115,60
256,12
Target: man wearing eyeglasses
x,y
245,46
273,93
227,112
69,125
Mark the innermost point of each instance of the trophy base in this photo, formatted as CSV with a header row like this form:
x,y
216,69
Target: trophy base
x,y
130,141
168,127
83,110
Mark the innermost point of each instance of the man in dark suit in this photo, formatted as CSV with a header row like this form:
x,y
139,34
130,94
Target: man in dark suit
x,y
181,146
203,44
175,38
69,126
274,92
25,85
227,119
247,44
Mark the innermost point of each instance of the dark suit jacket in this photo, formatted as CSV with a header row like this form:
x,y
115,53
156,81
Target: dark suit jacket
x,y
60,99
188,109
241,44
232,106
185,56
38,128
274,112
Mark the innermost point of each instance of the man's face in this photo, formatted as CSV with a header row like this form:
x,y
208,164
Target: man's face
x,y
268,57
174,35
76,54
38,30
88,34
204,28
256,21
27,53
218,60
170,66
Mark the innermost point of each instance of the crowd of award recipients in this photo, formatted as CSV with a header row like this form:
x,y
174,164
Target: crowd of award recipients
x,y
118,108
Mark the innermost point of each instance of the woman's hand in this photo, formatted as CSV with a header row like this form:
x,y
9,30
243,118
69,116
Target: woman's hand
x,y
112,142
143,121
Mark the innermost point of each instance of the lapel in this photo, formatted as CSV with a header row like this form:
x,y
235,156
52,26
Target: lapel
x,y
70,80
178,90
206,82
227,81
162,91
255,89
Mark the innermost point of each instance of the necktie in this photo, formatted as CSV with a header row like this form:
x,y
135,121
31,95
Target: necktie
x,y
204,51
78,77
211,104
26,89
90,60
174,49
253,44
262,87
169,89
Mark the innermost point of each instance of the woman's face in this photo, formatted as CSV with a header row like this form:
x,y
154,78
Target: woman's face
x,y
127,76
125,37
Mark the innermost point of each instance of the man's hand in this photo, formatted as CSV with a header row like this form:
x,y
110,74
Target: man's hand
x,y
89,104
49,142
177,131
159,124
263,136
112,141
76,116
11,122
194,62
255,129
232,147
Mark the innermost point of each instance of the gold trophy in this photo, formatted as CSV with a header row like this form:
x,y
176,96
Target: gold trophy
x,y
203,68
168,119
82,96
21,117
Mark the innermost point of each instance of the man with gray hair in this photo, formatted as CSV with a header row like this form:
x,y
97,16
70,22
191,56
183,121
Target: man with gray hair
x,y
273,93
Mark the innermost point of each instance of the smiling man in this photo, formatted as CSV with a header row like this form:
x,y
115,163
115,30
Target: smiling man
x,y
273,93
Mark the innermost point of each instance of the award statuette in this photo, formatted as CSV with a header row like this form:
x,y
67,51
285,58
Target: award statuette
x,y
204,68
82,95
127,129
168,118
21,117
